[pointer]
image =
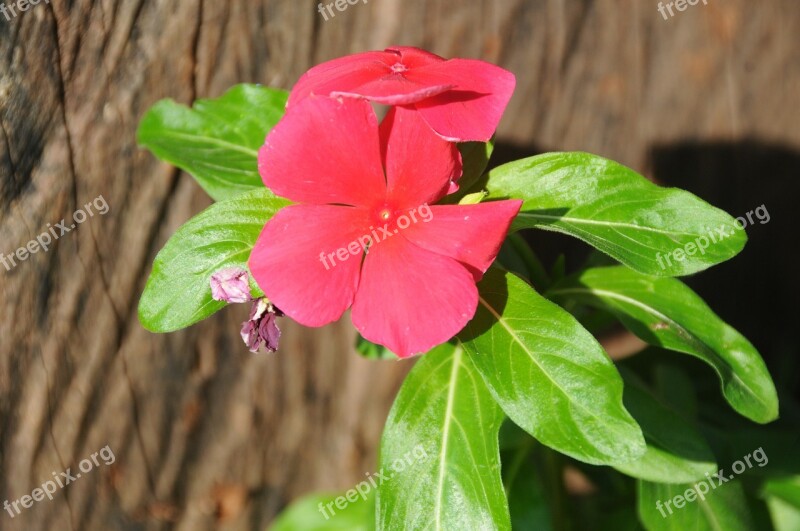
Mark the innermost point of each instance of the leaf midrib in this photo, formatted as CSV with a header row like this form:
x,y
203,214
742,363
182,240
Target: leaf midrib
x,y
693,339
211,140
584,221
451,392
530,354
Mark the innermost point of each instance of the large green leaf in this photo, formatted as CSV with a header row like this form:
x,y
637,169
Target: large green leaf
x,y
178,292
665,312
617,211
320,512
676,451
710,507
549,375
445,412
217,140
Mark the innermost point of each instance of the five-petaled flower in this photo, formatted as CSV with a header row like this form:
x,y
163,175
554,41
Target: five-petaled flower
x,y
460,99
349,175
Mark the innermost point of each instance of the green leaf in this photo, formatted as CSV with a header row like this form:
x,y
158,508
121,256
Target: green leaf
x,y
527,499
559,268
217,140
666,313
674,387
473,198
787,489
721,508
617,211
785,517
445,412
475,158
783,499
676,451
318,512
517,256
373,351
549,375
178,292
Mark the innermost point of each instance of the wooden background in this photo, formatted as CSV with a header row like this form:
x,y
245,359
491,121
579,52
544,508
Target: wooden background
x,y
208,436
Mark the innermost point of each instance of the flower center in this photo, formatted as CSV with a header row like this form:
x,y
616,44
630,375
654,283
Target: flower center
x,y
398,68
385,214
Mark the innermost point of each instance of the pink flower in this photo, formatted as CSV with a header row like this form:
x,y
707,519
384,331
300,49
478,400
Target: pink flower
x,y
460,99
231,284
359,185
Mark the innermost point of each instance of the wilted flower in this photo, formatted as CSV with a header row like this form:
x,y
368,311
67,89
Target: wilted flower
x,y
262,327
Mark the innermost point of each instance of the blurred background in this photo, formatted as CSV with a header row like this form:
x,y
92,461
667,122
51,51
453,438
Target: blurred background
x,y
209,436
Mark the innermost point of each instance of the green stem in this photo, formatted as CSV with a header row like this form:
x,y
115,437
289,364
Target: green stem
x,y
553,468
516,464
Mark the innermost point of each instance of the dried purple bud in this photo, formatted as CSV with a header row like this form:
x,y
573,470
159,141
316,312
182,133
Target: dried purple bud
x,y
231,284
269,332
262,327
250,336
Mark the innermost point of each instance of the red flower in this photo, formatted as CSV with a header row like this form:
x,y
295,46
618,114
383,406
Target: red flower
x,y
460,99
361,186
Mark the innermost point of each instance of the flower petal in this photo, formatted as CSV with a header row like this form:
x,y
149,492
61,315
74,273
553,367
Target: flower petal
x,y
393,89
344,73
410,299
325,151
413,57
471,234
472,110
287,265
397,87
369,75
406,141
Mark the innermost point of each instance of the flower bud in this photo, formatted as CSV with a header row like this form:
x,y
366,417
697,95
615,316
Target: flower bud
x,y
231,284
